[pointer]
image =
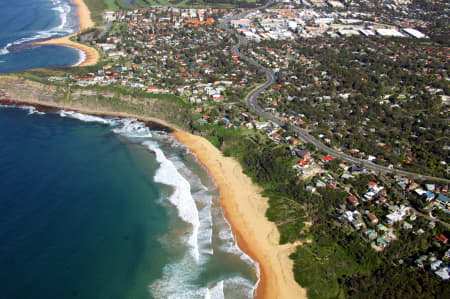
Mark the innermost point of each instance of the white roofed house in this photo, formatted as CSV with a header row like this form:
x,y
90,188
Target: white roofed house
x,y
443,273
420,192
260,125
397,215
435,265
369,195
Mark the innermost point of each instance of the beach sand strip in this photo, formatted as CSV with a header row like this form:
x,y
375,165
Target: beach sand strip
x,y
245,209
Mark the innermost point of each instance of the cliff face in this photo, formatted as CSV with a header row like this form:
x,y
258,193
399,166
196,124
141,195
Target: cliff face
x,y
22,89
14,90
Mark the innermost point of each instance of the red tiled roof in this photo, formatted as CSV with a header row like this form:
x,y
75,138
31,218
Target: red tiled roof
x,y
327,158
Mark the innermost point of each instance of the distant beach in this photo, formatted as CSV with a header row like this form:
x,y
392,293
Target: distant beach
x,y
91,56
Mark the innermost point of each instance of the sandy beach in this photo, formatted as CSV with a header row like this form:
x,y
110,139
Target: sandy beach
x,y
245,209
84,17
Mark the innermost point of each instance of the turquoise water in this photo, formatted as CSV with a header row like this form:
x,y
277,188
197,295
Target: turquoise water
x,y
105,208
24,22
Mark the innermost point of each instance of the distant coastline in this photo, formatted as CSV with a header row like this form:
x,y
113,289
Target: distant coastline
x,y
90,55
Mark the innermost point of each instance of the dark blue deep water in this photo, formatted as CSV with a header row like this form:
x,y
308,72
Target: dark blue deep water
x,y
78,211
23,22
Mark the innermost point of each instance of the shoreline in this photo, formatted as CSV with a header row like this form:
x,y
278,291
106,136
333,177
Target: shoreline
x,y
245,209
91,55
240,198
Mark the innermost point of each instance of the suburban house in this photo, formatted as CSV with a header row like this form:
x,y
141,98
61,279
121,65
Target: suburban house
x,y
440,239
443,273
353,200
444,200
371,218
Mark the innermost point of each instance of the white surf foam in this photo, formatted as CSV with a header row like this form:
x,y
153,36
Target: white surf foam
x,y
203,198
229,245
30,109
216,292
131,128
181,197
177,281
201,194
4,50
235,286
205,235
207,215
83,117
64,9
127,127
81,58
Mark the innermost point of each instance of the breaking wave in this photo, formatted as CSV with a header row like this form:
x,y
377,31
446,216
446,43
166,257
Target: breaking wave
x,y
83,117
131,128
81,58
127,127
181,197
215,292
229,244
30,109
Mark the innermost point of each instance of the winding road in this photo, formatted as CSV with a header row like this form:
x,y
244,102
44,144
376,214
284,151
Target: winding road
x,y
252,101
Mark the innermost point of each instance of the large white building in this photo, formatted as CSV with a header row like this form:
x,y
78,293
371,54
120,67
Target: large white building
x,y
389,32
415,33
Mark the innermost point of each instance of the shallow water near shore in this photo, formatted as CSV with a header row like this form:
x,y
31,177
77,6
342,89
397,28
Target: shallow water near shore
x,y
96,207
24,22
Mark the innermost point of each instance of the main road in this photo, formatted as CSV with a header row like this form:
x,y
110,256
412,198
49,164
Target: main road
x,y
252,101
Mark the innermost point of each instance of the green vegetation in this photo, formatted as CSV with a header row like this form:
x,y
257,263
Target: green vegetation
x,y
269,166
334,261
383,98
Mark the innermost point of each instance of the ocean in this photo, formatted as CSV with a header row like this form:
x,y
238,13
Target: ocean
x,y
24,22
102,207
